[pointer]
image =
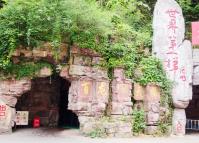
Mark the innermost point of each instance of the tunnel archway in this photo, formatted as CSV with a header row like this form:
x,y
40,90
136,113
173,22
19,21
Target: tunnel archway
x,y
192,112
48,100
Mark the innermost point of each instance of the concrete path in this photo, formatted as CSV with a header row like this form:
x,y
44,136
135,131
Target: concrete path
x,y
73,136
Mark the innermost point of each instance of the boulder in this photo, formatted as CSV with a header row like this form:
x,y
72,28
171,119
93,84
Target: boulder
x,y
6,117
179,122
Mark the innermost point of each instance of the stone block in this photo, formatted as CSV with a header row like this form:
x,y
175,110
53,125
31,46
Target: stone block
x,y
152,106
179,122
151,130
180,103
121,108
119,73
40,53
26,53
102,91
65,72
152,93
45,72
94,73
97,60
76,70
139,92
196,74
99,73
82,60
9,100
152,118
121,92
6,117
85,91
13,87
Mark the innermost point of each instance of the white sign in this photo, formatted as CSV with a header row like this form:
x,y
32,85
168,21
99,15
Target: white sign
x,y
21,118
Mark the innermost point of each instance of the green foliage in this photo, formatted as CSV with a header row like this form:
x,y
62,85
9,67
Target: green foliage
x,y
24,70
164,124
97,132
151,71
139,123
116,29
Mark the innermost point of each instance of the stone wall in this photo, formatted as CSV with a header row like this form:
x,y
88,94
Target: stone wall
x,y
91,95
10,90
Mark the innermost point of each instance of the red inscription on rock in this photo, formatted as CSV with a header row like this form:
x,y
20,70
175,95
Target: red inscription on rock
x,y
2,110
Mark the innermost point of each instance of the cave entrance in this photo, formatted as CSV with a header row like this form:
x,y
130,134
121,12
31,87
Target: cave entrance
x,y
48,100
192,112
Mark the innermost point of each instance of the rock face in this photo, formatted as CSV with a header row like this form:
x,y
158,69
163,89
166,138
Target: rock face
x,y
9,92
196,66
6,117
176,54
179,121
89,94
121,94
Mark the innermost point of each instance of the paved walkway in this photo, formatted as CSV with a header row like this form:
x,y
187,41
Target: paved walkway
x,y
73,136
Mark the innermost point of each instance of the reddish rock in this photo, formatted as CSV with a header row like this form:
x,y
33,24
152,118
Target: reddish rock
x,y
82,60
45,72
97,60
119,74
139,92
65,72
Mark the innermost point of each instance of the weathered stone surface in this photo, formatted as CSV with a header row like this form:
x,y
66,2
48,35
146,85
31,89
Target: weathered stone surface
x,y
182,91
152,93
152,104
65,72
167,13
115,126
9,100
121,108
119,74
45,72
102,91
152,118
88,97
26,53
196,75
195,57
121,92
97,60
139,92
6,118
39,53
91,72
176,55
83,51
151,130
14,88
82,60
179,122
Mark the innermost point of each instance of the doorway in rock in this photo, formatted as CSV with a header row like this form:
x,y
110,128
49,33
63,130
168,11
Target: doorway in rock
x,y
48,100
67,119
192,112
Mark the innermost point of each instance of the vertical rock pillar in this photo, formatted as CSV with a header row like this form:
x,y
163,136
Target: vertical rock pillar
x,y
121,103
10,90
175,53
152,107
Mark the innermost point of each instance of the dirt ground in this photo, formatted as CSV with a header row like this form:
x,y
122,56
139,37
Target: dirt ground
x,y
73,136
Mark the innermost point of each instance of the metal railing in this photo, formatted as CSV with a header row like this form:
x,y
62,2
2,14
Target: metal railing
x,y
192,124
